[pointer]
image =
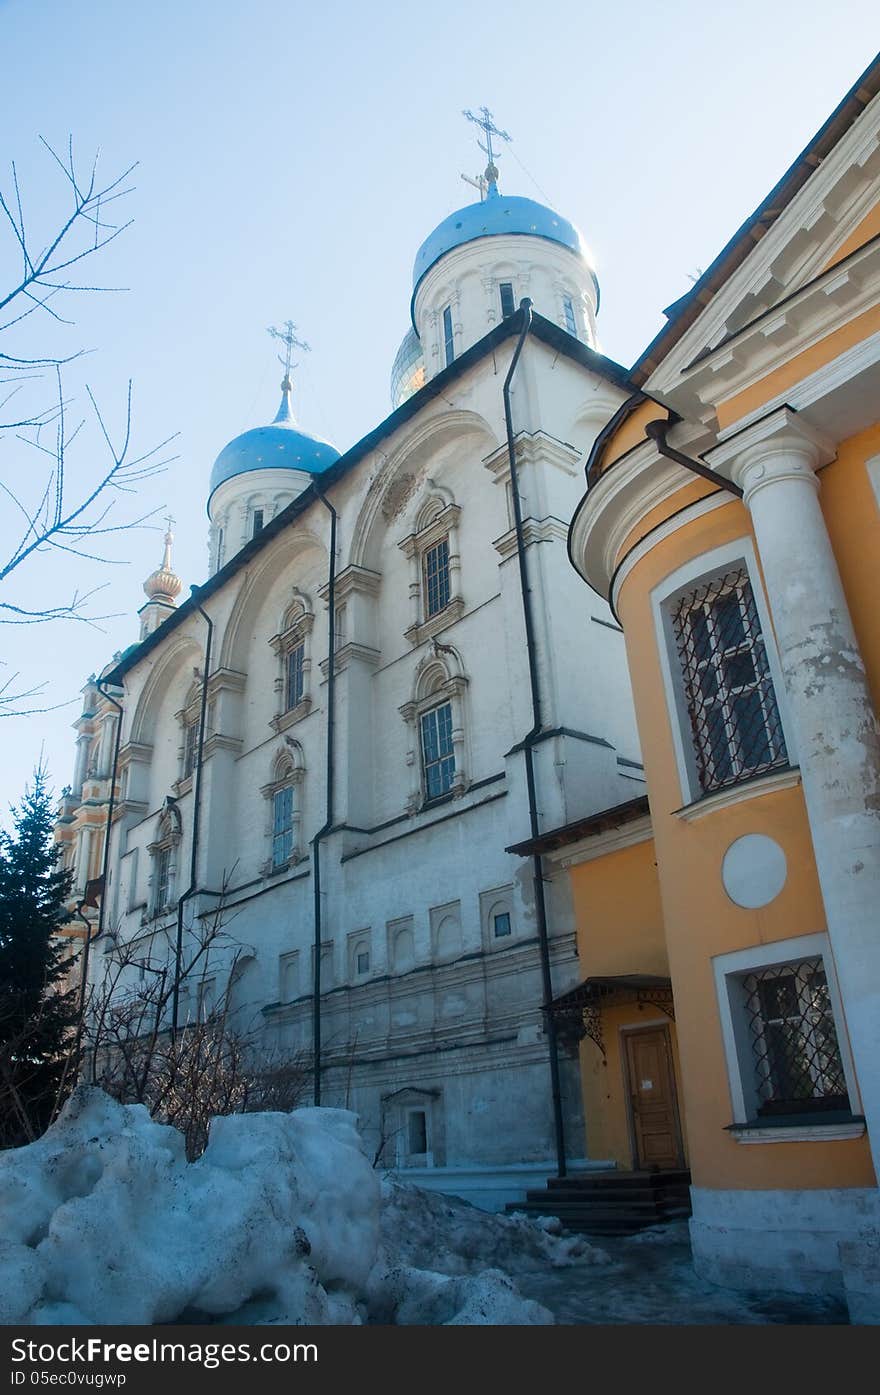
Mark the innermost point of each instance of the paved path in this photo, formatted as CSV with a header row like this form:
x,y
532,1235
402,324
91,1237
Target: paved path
x,y
650,1279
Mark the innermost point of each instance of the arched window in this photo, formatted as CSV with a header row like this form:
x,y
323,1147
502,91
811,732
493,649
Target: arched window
x,y
436,718
292,648
435,565
283,810
162,881
188,718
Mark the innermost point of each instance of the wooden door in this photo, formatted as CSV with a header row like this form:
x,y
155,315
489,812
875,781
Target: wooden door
x,y
652,1099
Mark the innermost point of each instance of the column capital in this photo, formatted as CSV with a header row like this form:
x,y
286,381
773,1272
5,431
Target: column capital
x,y
780,446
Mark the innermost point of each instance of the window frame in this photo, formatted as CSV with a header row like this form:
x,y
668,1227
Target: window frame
x,y
448,335
292,699
569,315
295,634
705,566
729,971
441,579
163,850
502,287
286,832
449,789
288,773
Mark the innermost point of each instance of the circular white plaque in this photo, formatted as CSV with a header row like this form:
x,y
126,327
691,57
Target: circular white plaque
x,y
753,871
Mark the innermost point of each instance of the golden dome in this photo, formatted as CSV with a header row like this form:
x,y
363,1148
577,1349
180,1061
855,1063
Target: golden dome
x,y
164,584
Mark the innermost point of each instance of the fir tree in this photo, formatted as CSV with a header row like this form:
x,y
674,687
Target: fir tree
x,y
36,1017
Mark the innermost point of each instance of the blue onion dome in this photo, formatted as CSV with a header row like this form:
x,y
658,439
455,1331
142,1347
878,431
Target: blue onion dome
x,y
495,215
408,369
280,446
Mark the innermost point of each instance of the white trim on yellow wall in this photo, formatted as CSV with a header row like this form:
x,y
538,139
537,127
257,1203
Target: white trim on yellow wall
x,y
708,564
734,1033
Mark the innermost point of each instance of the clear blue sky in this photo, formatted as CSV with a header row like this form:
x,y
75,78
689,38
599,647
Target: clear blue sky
x,y
291,160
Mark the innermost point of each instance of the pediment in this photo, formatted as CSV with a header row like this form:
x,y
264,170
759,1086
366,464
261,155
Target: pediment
x,y
835,213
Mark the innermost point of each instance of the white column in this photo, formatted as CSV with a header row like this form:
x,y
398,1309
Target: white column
x,y
835,726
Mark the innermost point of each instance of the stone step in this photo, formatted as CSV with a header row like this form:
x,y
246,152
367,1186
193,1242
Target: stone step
x,y
598,1180
560,1201
584,1197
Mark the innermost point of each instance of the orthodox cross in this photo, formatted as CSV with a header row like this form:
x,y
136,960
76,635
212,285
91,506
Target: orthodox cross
x,y
287,337
489,129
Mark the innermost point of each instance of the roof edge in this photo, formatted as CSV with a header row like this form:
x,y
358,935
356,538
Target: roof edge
x,y
544,330
684,312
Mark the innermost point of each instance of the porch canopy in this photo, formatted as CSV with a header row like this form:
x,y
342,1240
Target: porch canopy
x,y
584,1003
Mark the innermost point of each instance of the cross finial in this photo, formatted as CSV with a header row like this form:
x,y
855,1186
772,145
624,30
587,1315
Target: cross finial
x,y
169,523
287,337
489,129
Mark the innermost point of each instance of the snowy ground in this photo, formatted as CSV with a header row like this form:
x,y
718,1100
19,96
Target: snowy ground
x,y
648,1278
283,1220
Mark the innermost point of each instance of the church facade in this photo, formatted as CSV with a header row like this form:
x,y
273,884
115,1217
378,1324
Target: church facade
x,y
391,676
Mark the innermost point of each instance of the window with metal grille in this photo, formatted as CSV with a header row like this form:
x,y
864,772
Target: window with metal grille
x,y
435,567
568,311
438,756
162,877
190,747
508,305
796,1054
735,726
448,340
295,677
282,827
258,522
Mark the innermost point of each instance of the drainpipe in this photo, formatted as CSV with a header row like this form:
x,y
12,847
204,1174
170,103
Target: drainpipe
x,y
328,821
197,801
527,745
657,431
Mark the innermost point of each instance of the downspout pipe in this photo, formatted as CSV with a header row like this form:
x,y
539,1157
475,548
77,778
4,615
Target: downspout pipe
x,y
197,809
657,431
328,820
528,743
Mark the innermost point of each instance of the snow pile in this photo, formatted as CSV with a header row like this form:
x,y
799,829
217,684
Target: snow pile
x,y
429,1230
104,1221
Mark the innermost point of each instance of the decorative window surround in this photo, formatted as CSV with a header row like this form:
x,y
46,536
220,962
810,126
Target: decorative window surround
x,y
188,718
288,772
729,969
443,525
166,844
498,903
719,560
434,686
297,628
722,670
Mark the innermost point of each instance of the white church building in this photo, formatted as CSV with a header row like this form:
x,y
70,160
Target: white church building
x,y
406,677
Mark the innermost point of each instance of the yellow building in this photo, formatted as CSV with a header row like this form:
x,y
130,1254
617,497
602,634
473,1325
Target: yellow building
x,y
730,939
